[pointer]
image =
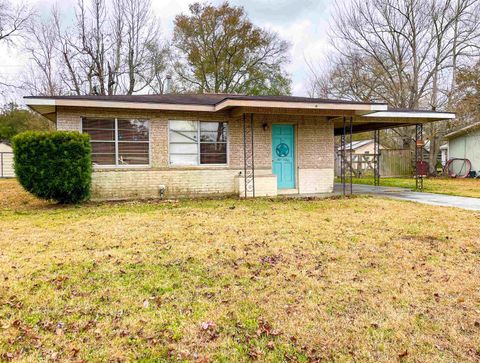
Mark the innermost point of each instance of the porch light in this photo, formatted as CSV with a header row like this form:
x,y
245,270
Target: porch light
x,y
265,126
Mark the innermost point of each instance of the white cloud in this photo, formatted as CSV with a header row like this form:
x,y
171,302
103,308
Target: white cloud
x,y
167,10
307,44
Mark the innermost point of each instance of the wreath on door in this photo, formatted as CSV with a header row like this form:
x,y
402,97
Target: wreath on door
x,y
282,150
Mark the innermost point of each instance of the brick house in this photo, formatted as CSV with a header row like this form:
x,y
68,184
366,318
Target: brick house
x,y
150,146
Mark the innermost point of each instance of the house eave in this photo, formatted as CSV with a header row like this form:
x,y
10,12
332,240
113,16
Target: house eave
x,y
367,116
427,115
463,131
48,105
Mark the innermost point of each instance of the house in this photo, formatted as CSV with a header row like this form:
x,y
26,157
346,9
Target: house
x,y
360,147
6,161
150,146
464,143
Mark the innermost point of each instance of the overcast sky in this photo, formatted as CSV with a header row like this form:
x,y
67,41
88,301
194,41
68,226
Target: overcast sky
x,y
304,23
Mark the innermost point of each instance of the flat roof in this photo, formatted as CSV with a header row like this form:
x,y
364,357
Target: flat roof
x,y
209,102
207,99
367,115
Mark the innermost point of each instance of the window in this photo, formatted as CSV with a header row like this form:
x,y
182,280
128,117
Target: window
x,y
198,143
213,143
118,142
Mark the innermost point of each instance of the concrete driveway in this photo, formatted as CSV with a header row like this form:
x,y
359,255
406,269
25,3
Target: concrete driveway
x,y
420,197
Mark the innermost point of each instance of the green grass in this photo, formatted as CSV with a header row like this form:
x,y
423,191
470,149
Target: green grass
x,y
450,186
357,279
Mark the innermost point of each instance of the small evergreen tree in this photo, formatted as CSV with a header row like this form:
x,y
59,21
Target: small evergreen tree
x,y
54,165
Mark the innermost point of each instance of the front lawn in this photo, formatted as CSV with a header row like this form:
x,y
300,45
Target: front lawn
x,y
360,279
450,186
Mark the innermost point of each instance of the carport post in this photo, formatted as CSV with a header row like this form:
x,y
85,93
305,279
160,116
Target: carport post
x,y
245,154
351,155
418,156
376,157
343,156
252,131
248,156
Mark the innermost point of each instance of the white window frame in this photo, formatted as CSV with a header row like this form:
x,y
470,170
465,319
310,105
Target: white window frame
x,y
198,164
116,141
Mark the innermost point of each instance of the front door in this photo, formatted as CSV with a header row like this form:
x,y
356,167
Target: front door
x,y
283,155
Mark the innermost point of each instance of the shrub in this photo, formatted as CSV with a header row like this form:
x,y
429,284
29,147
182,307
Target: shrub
x,y
54,165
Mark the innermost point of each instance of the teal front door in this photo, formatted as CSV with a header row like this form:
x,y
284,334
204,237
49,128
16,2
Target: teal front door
x,y
283,155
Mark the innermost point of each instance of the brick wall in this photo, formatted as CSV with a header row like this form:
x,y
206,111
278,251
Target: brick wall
x,y
71,120
315,145
138,184
314,142
313,181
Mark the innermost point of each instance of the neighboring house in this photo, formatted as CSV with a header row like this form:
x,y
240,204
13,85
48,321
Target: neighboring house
x,y
361,147
147,146
465,144
6,161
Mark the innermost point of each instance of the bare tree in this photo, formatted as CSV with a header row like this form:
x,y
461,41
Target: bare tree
x,y
70,74
42,77
111,48
466,98
141,33
13,20
403,52
159,78
352,78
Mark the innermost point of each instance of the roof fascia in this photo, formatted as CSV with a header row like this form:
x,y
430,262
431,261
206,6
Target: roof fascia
x,y
227,103
413,114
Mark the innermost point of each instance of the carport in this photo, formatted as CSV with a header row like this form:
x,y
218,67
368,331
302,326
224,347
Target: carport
x,y
391,118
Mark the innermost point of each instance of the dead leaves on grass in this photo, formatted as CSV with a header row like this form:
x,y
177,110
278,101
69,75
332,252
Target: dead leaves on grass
x,y
20,333
290,266
265,329
14,303
271,260
210,330
264,336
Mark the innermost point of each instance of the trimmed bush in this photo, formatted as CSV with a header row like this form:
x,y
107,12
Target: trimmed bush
x,y
54,165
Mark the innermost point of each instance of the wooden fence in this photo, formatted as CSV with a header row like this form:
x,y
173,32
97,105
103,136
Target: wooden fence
x,y
393,163
396,163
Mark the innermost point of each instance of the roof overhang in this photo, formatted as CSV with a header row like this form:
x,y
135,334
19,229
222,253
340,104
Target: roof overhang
x,y
424,116
463,130
365,116
392,118
48,106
